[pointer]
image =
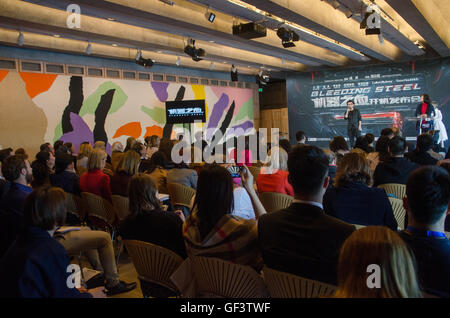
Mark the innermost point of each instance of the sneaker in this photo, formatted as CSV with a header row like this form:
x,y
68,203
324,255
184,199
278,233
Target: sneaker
x,y
120,288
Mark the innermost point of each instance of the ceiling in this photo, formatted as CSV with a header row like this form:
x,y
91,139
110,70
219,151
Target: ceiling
x,y
329,36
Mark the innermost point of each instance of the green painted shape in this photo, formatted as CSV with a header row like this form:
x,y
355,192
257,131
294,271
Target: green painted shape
x,y
58,132
245,111
90,104
157,114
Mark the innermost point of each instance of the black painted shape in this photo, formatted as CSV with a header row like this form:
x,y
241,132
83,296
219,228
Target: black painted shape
x,y
226,122
75,102
167,131
100,116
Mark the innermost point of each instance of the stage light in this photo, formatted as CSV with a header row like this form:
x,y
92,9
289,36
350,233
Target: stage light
x,y
147,63
419,45
138,55
234,73
178,61
20,39
193,52
211,66
89,49
262,79
170,3
288,37
210,16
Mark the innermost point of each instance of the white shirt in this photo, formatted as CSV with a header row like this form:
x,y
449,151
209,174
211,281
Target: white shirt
x,y
243,204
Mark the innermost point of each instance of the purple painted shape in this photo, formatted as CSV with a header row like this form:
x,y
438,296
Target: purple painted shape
x,y
160,89
217,112
245,126
81,133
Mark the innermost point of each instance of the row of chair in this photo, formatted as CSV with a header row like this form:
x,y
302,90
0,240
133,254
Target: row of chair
x,y
217,278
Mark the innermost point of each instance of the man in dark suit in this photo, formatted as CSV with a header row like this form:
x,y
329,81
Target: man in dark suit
x,y
427,202
421,154
302,239
397,168
353,116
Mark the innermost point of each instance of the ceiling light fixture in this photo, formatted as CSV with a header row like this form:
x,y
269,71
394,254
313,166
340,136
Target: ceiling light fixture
x,y
211,66
210,16
288,37
56,35
89,49
193,52
114,44
20,39
138,55
234,73
147,63
178,62
110,19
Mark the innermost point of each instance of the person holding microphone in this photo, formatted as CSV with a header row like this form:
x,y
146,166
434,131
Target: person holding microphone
x,y
354,122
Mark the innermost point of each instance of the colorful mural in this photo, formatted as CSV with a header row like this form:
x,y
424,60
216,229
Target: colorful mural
x,y
46,107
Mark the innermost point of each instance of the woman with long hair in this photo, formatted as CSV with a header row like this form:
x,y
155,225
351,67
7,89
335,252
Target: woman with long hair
x,y
147,221
128,167
82,157
274,176
42,167
94,180
380,251
157,171
152,144
424,112
381,153
353,200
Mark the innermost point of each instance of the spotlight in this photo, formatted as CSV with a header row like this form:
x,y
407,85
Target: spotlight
x,y
288,37
20,39
210,16
178,61
211,66
170,3
234,73
138,55
419,45
262,79
193,52
147,63
89,49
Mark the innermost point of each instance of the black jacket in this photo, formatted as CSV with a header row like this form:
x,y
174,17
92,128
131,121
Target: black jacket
x,y
430,110
356,203
354,117
68,181
421,158
394,170
303,240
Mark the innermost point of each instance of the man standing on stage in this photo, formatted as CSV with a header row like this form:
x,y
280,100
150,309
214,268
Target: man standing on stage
x,y
354,122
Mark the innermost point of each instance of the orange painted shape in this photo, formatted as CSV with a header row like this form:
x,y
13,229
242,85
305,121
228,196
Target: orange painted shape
x,y
3,74
132,129
154,130
37,83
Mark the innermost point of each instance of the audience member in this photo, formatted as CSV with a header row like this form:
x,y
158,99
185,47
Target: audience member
x,y
339,146
47,147
302,239
128,167
70,148
381,153
140,149
65,176
363,144
388,132
82,157
157,172
274,176
427,202
397,132
94,180
116,154
332,167
42,168
397,168
284,143
152,144
130,143
56,146
420,155
382,247
301,137
183,175
20,151
147,221
352,200
371,141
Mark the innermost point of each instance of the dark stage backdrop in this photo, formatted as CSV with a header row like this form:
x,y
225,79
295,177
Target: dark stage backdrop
x,y
386,95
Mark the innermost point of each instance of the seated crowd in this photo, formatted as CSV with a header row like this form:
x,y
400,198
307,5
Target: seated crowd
x,y
334,192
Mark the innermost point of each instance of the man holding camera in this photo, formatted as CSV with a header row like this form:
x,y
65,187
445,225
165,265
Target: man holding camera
x,y
354,122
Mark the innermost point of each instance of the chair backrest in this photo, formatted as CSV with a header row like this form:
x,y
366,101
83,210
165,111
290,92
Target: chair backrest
x,y
254,171
180,194
359,226
399,212
75,205
219,278
285,285
153,263
397,189
122,205
273,201
99,207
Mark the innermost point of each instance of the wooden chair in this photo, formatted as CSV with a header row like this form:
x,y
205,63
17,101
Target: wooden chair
x,y
285,285
154,265
399,190
219,278
180,194
273,201
75,205
399,212
121,204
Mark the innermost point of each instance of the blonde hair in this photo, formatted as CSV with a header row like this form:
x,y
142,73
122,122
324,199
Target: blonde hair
x,y
129,163
84,151
95,159
381,246
281,163
99,145
353,167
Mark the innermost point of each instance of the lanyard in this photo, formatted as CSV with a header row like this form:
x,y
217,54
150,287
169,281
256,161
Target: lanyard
x,y
427,233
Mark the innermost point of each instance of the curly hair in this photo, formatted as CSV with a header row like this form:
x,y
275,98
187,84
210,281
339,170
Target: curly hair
x,y
354,167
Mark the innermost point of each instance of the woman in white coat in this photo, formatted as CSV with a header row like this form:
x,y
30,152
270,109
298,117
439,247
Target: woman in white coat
x,y
439,125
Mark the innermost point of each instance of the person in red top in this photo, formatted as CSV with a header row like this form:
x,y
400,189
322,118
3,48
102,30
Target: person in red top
x,y
423,111
274,178
94,180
